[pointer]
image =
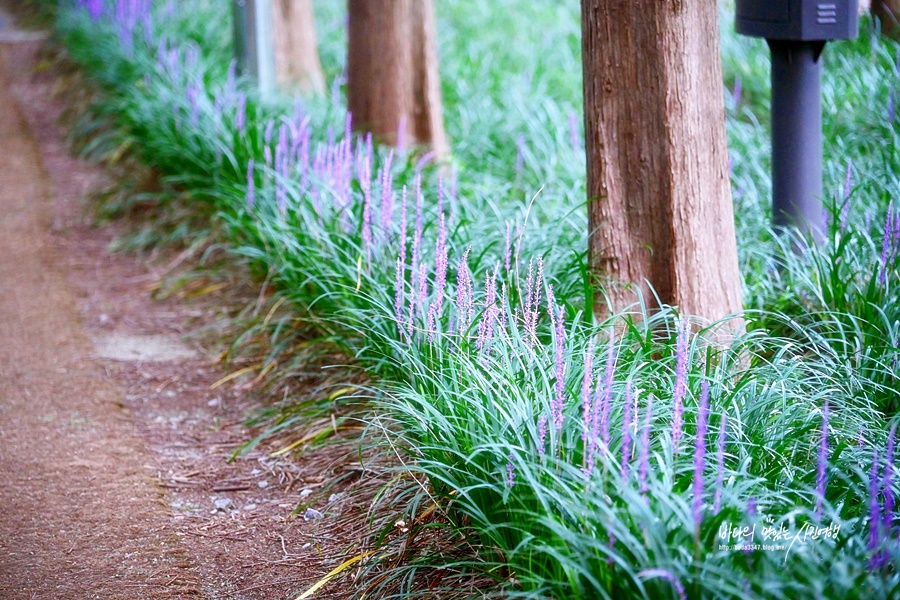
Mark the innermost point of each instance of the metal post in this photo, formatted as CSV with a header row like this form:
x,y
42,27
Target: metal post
x,y
797,136
253,45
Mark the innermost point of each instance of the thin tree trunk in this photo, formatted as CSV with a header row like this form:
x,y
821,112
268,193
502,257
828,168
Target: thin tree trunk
x,y
660,213
888,12
296,54
393,83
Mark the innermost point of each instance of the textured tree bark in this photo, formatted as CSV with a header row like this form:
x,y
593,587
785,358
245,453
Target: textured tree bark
x,y
888,12
393,83
297,62
660,209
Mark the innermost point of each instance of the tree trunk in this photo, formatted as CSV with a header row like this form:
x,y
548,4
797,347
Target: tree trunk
x,y
888,12
393,84
296,54
660,213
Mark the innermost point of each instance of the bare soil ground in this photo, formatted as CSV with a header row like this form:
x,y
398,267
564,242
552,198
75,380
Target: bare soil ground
x,y
114,474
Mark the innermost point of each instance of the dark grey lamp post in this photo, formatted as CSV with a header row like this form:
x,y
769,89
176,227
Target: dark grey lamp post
x,y
253,46
796,31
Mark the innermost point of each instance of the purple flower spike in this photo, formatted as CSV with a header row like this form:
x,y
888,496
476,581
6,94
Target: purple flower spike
x,y
440,277
720,464
874,514
403,225
681,363
419,297
511,471
668,576
821,474
399,282
887,482
486,326
251,184
465,296
700,452
95,9
387,195
587,420
365,181
530,312
892,108
586,399
627,426
601,416
644,462
888,244
559,401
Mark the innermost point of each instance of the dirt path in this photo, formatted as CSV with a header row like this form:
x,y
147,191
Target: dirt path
x,y
80,510
114,481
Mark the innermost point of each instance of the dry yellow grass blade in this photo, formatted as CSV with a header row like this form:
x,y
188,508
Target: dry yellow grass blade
x,y
314,434
265,371
341,392
347,563
272,310
202,292
234,375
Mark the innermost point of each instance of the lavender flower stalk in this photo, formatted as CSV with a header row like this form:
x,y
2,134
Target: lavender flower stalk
x,y
644,462
700,454
601,420
587,403
874,515
892,108
887,244
887,482
387,196
627,425
668,576
681,361
510,470
440,277
365,181
559,400
542,435
465,301
486,325
251,184
530,312
399,282
821,474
